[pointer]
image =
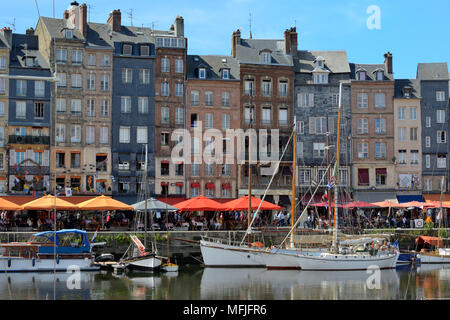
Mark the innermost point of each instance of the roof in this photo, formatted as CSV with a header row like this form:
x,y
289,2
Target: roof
x,y
370,71
214,64
432,71
3,43
414,84
102,33
60,232
55,28
335,61
249,51
26,46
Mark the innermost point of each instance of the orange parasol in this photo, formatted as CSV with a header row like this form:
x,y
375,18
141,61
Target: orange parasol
x,y
48,203
385,204
102,203
9,206
242,204
416,204
360,204
199,203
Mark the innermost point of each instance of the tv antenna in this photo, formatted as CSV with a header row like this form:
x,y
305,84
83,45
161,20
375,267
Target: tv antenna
x,y
130,16
90,10
250,24
13,24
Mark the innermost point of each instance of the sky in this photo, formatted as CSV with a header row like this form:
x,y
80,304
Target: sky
x,y
412,30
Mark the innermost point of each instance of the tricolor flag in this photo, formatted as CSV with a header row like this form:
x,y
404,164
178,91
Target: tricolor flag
x,y
16,181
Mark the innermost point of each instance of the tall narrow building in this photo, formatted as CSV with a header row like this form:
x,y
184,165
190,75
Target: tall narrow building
x,y
5,46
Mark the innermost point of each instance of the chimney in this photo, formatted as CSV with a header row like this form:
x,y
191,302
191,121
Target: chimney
x,y
29,31
287,42
179,26
236,41
66,15
294,41
7,33
83,20
290,41
388,62
115,20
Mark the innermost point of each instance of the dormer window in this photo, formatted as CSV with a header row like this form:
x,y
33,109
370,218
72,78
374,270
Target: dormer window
x,y
145,50
29,61
68,34
225,74
266,57
406,92
361,75
202,73
126,49
380,75
320,78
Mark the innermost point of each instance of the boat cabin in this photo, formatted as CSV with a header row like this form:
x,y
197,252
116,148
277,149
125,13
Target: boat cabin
x,y
68,241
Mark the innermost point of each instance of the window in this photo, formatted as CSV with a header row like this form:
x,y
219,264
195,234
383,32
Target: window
x,y
402,113
363,126
380,126
414,156
145,50
21,88
178,89
249,88
363,101
21,109
127,75
165,65
225,121
165,115
267,88
68,34
75,160
165,168
124,135
319,150
413,113
226,74
249,116
124,187
195,191
143,105
75,133
428,122
90,81
60,132
380,150
61,79
283,116
401,134
60,163
427,161
106,60
226,170
164,138
178,65
440,116
428,141
142,136
304,176
39,88
144,76
380,175
317,125
90,134
440,96
401,157
363,177
2,86
195,169
380,100
39,110
127,49
91,61
361,75
441,136
300,127
209,169
20,156
266,57
195,146
104,108
76,80
104,135
380,75
266,115
61,56
428,185
283,88
209,120
165,89
77,57
2,108
179,116
194,98
413,134
104,82
441,161
225,99
320,78
2,63
202,73
76,107
125,104
363,150
194,120
208,98
90,108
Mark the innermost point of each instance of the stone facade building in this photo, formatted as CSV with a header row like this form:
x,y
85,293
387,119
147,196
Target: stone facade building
x,y
5,45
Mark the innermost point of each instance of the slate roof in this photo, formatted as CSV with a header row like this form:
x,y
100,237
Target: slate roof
x,y
249,51
401,83
335,61
3,43
432,71
26,45
370,71
213,64
55,28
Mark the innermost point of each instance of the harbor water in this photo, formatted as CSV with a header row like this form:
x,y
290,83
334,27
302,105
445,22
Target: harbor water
x,y
197,283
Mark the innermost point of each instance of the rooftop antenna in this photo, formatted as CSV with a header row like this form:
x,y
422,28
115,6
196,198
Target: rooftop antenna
x,y
13,24
53,8
250,24
130,16
90,9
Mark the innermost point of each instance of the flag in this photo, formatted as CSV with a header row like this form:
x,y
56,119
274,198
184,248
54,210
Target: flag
x,y
325,196
428,219
396,244
15,166
35,194
16,181
68,192
26,187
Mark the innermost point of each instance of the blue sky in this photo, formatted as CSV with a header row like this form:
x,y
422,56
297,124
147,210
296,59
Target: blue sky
x,y
412,30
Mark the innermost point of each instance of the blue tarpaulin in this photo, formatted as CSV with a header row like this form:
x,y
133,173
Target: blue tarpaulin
x,y
410,197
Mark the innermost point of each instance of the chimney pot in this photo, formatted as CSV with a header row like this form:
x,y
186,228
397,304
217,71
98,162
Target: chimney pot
x,y
30,31
115,20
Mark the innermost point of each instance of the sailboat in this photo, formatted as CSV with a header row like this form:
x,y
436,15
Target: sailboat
x,y
168,266
140,258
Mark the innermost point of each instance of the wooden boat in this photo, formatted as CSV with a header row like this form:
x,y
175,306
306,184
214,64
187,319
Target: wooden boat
x,y
141,259
45,252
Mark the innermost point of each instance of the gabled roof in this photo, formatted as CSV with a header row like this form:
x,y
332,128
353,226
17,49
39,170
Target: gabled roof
x,y
102,32
335,61
214,64
26,46
249,51
414,84
370,71
432,71
56,27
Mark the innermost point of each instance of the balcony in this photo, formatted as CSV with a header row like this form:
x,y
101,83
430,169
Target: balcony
x,y
29,139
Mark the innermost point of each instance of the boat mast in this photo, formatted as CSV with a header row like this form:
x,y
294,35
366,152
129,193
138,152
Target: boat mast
x,y
329,179
336,173
145,197
294,164
441,211
249,217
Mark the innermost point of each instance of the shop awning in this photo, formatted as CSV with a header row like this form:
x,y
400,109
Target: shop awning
x,y
410,197
437,197
210,186
434,241
195,185
226,185
373,196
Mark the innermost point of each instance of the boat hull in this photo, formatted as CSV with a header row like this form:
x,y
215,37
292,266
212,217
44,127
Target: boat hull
x,y
443,256
20,264
217,254
170,268
150,263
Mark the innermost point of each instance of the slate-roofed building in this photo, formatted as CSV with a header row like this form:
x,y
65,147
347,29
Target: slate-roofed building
x,y
372,87
266,71
5,44
434,89
213,91
317,78
28,116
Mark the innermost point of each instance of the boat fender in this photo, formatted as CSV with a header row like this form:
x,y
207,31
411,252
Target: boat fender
x,y
33,262
57,259
9,262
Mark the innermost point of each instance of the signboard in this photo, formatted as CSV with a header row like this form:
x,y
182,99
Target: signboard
x,y
418,223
